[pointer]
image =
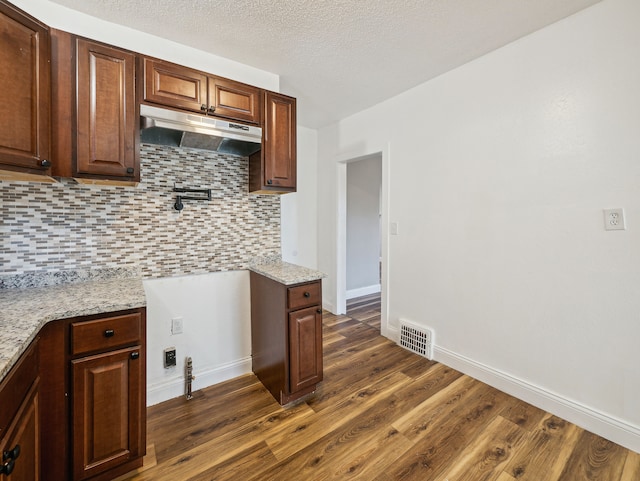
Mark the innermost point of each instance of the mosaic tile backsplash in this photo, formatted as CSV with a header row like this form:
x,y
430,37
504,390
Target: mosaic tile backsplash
x,y
49,227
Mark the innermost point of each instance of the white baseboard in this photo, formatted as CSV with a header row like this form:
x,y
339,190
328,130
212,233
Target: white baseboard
x,y
363,291
602,424
175,387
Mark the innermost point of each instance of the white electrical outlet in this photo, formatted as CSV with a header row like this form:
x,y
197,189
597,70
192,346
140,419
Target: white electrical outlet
x,y
176,325
394,228
614,219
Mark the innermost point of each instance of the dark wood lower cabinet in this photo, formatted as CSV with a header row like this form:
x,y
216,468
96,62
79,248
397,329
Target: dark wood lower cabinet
x,y
106,411
305,348
93,396
20,420
286,336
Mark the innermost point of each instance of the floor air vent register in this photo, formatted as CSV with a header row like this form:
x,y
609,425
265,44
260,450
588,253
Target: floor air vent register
x,y
416,339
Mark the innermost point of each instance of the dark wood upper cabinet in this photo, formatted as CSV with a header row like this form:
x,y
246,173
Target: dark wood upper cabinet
x,y
273,169
172,85
106,110
180,87
95,111
25,92
234,100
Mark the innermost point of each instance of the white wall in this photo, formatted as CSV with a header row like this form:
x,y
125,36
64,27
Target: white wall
x,y
498,188
299,226
364,179
63,18
216,314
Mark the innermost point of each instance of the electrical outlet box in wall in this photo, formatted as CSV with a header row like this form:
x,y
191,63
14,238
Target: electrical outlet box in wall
x,y
169,357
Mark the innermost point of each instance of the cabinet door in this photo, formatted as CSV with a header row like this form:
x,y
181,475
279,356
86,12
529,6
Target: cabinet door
x,y
234,100
280,142
108,405
23,436
25,92
305,348
174,86
106,111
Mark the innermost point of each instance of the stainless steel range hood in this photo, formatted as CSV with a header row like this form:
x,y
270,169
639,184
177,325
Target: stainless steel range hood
x,y
181,129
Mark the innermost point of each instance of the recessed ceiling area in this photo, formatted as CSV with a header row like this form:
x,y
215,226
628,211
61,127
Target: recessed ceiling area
x,y
337,56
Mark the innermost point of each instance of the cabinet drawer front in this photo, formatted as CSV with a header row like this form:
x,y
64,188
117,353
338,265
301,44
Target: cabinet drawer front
x,y
102,334
305,295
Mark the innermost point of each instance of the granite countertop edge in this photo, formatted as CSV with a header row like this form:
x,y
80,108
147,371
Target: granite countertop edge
x,y
284,272
24,311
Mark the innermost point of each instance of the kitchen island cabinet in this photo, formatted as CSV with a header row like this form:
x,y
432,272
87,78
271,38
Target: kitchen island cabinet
x,y
25,93
286,335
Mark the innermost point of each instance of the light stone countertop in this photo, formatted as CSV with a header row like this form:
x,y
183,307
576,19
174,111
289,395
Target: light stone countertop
x,y
25,310
285,273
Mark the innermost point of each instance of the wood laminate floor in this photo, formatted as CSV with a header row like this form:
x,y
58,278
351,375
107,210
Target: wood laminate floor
x,y
381,414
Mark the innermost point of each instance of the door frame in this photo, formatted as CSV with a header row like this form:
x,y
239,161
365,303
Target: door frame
x,y
341,237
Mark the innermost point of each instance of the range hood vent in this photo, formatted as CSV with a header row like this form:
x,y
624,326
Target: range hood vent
x,y
181,129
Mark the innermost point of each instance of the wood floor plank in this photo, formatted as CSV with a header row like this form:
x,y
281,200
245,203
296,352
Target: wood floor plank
x,y
594,459
299,436
631,470
442,440
524,415
483,459
549,445
376,457
254,459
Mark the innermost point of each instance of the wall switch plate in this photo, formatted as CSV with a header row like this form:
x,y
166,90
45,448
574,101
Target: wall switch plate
x,y
394,228
614,219
169,357
176,325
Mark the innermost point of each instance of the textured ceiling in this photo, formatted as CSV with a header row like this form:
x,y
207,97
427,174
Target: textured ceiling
x,y
338,56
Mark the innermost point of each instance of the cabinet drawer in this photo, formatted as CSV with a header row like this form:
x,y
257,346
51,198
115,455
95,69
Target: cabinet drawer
x,y
305,295
103,334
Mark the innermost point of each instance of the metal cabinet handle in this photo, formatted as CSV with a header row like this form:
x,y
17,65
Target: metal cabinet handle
x,y
319,311
135,355
307,294
130,170
10,460
45,163
7,468
203,107
109,333
13,454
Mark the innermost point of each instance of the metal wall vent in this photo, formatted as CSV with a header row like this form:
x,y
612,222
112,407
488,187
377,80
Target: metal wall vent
x,y
416,339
